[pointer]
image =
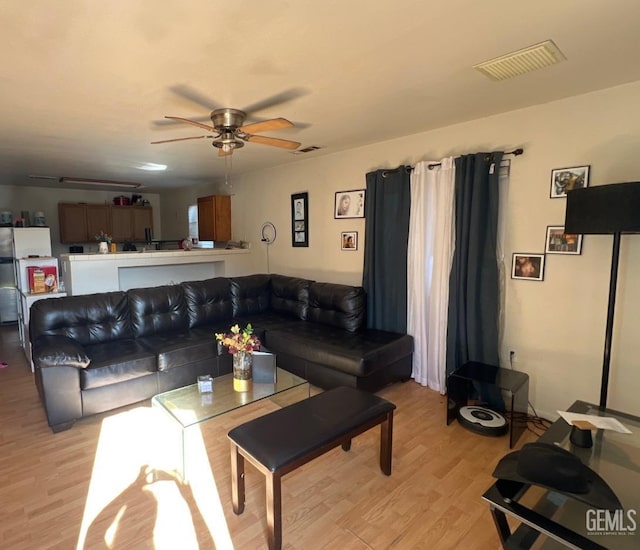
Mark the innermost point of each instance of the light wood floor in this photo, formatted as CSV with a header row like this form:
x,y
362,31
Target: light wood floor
x,y
108,482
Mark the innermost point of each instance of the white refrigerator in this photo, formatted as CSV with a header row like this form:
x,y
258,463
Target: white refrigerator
x,y
15,243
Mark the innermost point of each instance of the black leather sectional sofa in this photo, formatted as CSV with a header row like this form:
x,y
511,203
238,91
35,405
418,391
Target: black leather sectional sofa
x,y
96,352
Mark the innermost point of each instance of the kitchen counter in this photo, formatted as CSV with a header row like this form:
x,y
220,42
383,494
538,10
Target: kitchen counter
x,y
89,273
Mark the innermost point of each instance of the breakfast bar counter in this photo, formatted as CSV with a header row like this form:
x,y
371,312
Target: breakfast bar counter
x,y
89,273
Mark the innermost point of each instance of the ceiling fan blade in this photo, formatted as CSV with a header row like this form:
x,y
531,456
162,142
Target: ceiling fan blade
x,y
179,139
193,95
264,140
166,122
276,99
266,126
193,122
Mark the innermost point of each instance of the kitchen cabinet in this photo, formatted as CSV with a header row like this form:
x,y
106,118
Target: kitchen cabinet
x,y
214,218
73,222
129,222
97,219
81,222
142,218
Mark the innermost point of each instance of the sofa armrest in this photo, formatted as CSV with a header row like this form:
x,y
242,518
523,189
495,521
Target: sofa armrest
x,y
59,351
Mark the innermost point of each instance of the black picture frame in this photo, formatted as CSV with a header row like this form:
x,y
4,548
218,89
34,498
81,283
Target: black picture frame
x,y
566,179
349,204
527,266
300,219
559,242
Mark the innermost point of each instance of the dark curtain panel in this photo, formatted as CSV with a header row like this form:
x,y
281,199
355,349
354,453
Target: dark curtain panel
x,y
472,328
384,278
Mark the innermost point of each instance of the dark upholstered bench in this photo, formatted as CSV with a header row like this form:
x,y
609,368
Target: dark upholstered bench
x,y
283,440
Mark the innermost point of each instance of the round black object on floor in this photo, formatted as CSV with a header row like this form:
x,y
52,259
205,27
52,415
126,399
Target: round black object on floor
x,y
482,420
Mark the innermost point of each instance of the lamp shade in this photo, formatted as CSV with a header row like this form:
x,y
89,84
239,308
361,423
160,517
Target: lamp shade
x,y
604,209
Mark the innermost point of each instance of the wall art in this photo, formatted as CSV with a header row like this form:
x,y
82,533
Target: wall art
x,y
349,240
566,179
559,242
349,204
300,219
526,266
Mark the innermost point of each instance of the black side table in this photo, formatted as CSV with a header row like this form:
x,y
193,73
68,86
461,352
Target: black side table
x,y
515,384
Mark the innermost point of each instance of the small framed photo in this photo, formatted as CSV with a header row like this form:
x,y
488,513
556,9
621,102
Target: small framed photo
x,y
559,242
529,267
349,204
566,179
300,219
349,240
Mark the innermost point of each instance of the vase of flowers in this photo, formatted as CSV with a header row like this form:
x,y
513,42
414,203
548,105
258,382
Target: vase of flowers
x,y
241,344
104,240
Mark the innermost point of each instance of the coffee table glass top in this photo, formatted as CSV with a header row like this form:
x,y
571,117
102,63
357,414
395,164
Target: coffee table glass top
x,y
188,406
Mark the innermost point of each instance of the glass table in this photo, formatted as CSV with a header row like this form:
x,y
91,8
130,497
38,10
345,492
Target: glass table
x,y
565,522
514,384
188,407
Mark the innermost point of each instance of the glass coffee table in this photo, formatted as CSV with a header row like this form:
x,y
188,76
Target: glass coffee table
x,y
187,407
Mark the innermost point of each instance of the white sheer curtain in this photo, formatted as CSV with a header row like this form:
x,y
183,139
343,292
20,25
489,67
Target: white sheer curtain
x,y
430,253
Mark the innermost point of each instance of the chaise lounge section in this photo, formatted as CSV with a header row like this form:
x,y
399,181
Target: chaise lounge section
x,y
97,352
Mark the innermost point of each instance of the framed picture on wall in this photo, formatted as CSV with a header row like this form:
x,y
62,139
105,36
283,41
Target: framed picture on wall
x,y
559,242
300,219
566,179
529,267
349,240
349,204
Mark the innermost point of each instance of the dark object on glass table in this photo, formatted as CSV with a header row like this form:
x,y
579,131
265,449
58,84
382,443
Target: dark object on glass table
x,y
559,470
581,438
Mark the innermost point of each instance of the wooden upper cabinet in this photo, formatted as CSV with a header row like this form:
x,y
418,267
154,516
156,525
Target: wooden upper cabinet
x,y
121,223
73,222
129,222
142,218
80,223
214,218
98,218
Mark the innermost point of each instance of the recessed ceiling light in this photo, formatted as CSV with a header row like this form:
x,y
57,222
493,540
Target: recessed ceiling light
x,y
521,62
152,167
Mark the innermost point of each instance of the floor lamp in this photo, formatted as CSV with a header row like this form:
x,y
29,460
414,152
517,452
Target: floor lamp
x,y
611,209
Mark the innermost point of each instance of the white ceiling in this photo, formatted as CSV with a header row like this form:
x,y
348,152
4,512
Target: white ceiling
x,y
84,84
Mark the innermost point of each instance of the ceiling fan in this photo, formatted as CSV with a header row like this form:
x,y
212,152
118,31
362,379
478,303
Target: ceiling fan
x,y
228,130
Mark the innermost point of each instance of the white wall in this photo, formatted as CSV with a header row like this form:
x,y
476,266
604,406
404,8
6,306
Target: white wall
x,y
46,199
556,326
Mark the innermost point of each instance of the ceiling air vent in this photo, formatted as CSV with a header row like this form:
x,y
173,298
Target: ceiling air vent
x,y
521,62
309,149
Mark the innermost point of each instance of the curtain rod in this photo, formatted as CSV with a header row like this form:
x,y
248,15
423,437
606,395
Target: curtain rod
x,y
515,153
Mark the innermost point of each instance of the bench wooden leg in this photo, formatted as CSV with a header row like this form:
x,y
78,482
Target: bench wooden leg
x,y
274,510
237,479
386,444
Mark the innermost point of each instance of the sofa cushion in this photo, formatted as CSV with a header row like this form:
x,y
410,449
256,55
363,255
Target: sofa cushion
x,y
158,310
209,301
87,319
250,294
116,362
356,353
177,350
337,305
290,295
